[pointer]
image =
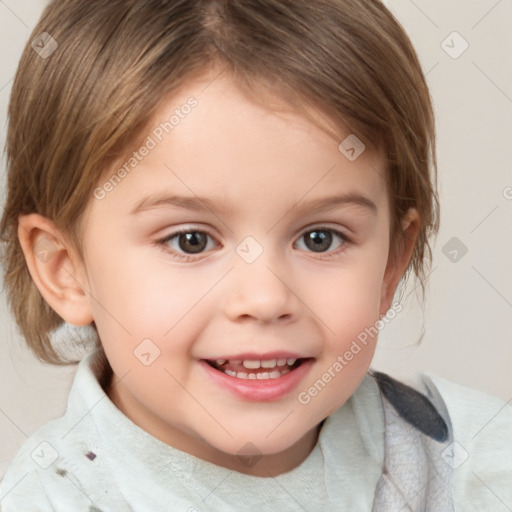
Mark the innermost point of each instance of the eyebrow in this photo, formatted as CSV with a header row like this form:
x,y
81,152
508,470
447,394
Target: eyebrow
x,y
202,204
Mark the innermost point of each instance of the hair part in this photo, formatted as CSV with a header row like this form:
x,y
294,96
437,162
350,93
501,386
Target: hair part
x,y
75,113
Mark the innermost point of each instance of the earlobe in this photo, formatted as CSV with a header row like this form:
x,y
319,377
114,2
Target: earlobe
x,y
56,268
398,262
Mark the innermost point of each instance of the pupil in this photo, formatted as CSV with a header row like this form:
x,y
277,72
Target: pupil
x,y
192,242
318,241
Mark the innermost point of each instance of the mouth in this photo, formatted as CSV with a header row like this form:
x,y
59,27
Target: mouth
x,y
256,369
258,377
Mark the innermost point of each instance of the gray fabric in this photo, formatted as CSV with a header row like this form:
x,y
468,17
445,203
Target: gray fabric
x,y
415,477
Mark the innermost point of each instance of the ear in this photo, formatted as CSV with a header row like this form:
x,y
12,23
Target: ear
x,y
397,263
56,268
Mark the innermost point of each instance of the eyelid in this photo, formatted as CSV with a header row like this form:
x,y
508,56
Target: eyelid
x,y
324,227
189,229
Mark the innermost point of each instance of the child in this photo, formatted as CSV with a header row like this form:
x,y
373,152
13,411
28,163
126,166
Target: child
x,y
291,144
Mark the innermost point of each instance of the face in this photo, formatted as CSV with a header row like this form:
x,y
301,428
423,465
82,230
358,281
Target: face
x,y
230,268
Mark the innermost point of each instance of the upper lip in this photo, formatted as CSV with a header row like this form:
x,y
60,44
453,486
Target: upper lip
x,y
252,356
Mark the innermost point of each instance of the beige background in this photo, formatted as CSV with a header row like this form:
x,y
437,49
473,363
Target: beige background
x,y
468,313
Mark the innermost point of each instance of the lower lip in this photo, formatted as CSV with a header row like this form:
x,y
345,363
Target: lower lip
x,y
255,390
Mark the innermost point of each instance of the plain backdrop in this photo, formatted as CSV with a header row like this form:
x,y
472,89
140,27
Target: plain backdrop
x,y
467,318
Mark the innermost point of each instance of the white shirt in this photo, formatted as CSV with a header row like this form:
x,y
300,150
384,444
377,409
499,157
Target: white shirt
x,y
95,459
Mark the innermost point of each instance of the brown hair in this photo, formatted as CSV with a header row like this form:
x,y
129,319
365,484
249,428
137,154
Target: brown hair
x,y
76,111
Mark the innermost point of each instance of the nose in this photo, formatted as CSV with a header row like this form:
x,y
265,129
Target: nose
x,y
260,292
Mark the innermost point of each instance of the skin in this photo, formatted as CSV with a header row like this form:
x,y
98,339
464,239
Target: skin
x,y
260,169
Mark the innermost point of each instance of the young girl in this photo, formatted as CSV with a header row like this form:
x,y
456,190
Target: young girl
x,y
228,193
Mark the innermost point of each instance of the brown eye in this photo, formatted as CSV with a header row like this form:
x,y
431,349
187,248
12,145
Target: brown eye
x,y
193,242
318,241
185,243
321,240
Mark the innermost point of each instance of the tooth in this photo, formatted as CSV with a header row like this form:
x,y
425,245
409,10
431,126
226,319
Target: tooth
x,y
229,372
263,375
220,361
281,362
251,364
284,372
252,376
275,374
291,361
268,364
241,375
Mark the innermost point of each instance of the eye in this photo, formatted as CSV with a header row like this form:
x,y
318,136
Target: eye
x,y
189,242
321,240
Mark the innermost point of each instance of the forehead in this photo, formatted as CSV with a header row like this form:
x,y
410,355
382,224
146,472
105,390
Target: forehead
x,y
210,140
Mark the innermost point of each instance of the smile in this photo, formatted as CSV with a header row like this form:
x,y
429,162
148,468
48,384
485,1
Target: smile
x,y
256,369
259,379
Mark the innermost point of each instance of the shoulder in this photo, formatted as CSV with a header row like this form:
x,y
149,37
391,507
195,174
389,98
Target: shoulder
x,y
481,453
476,429
35,475
50,467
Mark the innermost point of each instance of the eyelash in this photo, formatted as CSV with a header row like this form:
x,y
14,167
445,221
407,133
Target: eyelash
x,y
163,243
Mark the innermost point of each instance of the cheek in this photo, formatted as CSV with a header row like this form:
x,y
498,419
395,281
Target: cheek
x,y
349,345
349,310
138,296
351,298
